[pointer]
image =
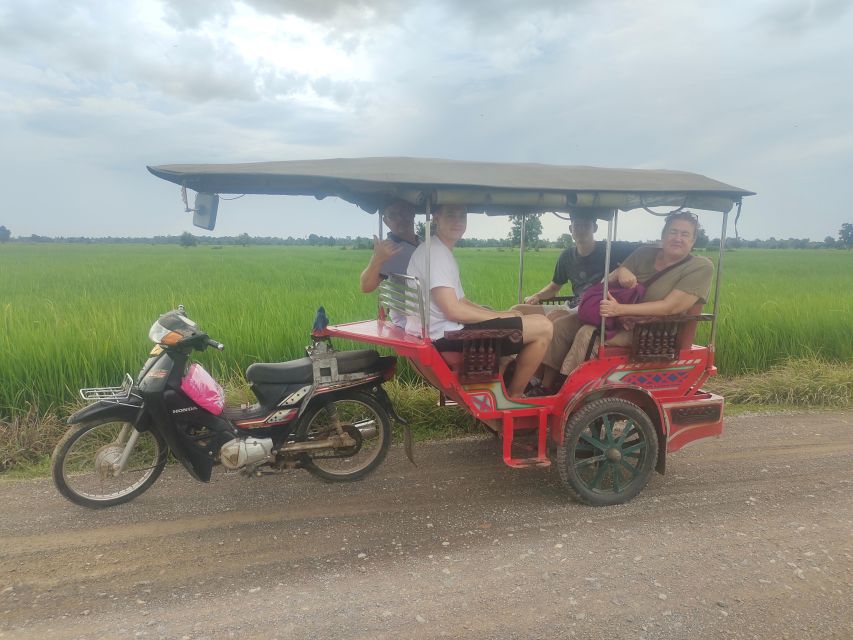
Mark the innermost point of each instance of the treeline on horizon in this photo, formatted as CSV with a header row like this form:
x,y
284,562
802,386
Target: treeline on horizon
x,y
360,242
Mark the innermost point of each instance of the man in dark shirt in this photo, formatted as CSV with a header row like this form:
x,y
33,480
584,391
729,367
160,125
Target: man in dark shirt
x,y
583,266
391,255
583,263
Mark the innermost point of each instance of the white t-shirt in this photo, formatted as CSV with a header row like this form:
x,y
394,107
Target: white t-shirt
x,y
444,272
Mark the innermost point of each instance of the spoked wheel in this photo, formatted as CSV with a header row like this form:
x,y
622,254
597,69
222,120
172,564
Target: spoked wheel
x,y
609,450
86,464
364,419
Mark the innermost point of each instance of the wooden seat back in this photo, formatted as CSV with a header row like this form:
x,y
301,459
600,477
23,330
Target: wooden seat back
x,y
657,338
481,352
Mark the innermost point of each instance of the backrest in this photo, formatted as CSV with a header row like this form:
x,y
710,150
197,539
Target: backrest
x,y
688,329
401,295
481,352
663,338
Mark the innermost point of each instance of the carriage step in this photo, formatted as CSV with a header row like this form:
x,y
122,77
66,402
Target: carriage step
x,y
525,463
538,448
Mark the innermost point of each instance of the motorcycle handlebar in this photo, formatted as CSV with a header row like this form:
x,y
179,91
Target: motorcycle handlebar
x,y
213,343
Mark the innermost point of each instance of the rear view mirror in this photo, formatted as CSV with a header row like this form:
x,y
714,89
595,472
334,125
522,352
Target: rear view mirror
x,y
204,211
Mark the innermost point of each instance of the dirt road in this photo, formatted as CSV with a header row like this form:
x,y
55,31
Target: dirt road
x,y
748,536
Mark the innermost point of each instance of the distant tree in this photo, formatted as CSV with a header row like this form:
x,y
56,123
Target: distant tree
x,y
702,239
532,230
845,235
565,240
829,242
421,230
244,239
188,240
5,234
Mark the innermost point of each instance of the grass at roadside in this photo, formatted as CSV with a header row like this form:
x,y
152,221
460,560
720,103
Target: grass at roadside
x,y
27,440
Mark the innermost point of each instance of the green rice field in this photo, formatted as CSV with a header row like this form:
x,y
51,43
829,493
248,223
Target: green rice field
x,y
78,315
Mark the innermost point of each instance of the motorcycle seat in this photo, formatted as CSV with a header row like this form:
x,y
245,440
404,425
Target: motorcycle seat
x,y
302,370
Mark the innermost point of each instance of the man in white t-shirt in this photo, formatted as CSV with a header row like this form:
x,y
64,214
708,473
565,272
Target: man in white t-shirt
x,y
450,310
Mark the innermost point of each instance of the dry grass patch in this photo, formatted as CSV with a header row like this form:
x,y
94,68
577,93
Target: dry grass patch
x,y
798,382
26,439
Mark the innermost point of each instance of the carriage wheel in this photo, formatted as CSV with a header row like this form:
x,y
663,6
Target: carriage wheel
x,y
609,450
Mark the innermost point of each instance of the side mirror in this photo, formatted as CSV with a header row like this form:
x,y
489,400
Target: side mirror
x,y
204,211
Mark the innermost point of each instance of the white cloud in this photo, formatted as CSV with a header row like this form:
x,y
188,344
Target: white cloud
x,y
753,94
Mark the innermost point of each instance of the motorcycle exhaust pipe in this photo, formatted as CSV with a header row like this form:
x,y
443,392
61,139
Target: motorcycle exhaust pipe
x,y
367,428
334,442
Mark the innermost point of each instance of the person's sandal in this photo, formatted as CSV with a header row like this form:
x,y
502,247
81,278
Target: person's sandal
x,y
538,392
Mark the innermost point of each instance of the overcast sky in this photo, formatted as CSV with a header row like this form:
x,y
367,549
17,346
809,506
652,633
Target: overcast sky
x,y
755,93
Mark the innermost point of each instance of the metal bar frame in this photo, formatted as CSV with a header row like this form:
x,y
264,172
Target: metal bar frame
x,y
521,258
402,293
602,335
713,340
427,291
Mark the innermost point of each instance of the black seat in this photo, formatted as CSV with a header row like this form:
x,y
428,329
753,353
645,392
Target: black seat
x,y
302,370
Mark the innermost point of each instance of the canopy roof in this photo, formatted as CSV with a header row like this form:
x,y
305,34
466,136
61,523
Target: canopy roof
x,y
493,187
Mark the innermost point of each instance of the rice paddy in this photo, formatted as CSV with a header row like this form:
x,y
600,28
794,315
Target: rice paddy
x,y
76,316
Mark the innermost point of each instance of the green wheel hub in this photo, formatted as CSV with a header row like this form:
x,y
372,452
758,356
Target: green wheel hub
x,y
609,450
613,459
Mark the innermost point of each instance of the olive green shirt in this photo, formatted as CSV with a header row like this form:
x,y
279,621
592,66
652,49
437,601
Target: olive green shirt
x,y
693,277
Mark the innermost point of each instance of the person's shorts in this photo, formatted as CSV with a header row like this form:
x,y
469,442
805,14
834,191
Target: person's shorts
x,y
508,347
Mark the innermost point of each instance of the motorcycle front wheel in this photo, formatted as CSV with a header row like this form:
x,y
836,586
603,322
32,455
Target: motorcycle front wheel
x,y
87,464
359,414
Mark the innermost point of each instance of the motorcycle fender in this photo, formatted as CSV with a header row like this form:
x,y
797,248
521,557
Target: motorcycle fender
x,y
196,464
126,412
382,396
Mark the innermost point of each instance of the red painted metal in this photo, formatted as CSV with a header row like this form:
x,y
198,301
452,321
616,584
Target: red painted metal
x,y
660,387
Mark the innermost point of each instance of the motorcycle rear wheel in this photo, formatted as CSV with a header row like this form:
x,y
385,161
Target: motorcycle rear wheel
x,y
83,463
353,408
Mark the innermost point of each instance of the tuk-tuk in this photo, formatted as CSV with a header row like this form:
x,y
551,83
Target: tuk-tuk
x,y
618,415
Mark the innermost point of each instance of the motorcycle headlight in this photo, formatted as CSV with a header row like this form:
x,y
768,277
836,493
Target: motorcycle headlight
x,y
162,335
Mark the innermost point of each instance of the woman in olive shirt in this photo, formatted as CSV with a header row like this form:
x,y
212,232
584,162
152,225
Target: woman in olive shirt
x,y
673,293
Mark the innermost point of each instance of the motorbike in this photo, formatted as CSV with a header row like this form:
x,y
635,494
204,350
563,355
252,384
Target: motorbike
x,y
326,413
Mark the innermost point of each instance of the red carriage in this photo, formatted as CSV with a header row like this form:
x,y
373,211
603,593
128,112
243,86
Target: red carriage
x,y
617,416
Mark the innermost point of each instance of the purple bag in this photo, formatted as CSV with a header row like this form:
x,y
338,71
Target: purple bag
x,y
589,311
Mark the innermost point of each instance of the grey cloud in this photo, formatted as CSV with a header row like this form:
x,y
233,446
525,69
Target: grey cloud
x,y
346,15
195,69
349,17
22,23
343,16
101,45
793,17
191,14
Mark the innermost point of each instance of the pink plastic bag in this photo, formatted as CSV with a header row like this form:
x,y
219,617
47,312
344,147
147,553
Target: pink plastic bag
x,y
203,389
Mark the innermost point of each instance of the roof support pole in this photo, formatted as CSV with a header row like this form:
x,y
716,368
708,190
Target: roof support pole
x,y
603,333
427,291
521,258
380,232
713,340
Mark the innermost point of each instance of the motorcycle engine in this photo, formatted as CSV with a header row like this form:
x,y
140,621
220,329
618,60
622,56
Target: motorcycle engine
x,y
239,452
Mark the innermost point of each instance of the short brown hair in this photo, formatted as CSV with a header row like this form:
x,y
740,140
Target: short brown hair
x,y
687,216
